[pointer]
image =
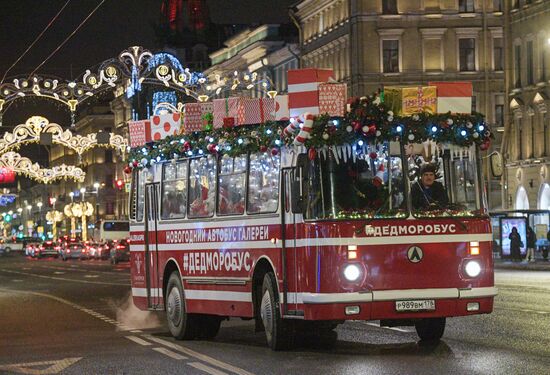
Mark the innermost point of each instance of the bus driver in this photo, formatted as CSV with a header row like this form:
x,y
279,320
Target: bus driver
x,y
428,192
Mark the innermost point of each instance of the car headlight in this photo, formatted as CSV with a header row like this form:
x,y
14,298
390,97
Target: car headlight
x,y
472,268
352,272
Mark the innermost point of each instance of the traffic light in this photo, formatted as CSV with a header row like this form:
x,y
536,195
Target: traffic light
x,y
119,184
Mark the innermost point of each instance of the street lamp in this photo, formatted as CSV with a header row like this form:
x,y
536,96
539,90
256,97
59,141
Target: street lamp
x,y
71,194
53,200
82,191
96,186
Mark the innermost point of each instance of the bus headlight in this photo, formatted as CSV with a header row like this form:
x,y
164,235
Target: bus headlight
x,y
352,272
472,268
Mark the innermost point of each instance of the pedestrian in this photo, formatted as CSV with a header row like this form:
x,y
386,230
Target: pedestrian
x,y
531,242
515,245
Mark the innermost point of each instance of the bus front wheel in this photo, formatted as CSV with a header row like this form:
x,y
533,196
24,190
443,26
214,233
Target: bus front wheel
x,y
430,329
279,332
181,324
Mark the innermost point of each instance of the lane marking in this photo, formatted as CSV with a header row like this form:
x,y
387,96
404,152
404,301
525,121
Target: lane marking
x,y
207,369
136,331
138,340
55,367
59,273
202,357
91,276
523,310
64,279
170,353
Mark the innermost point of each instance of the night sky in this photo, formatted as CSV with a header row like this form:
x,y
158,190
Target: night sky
x,y
115,26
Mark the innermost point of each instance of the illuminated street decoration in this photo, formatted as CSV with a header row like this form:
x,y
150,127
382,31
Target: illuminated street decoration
x,y
36,125
54,216
7,199
133,68
79,210
24,166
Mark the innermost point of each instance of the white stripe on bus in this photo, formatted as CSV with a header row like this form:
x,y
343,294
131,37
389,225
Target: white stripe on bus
x,y
356,297
248,221
398,240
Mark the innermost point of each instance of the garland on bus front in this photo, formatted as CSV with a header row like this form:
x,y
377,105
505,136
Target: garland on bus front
x,y
367,122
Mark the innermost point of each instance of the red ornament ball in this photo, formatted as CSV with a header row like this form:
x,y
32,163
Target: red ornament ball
x,y
211,148
485,145
135,163
186,145
274,151
127,170
263,148
373,155
356,125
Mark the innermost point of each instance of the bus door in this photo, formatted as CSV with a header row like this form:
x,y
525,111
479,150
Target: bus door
x,y
290,259
151,245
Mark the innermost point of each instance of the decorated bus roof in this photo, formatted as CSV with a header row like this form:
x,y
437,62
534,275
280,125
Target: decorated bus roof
x,y
367,122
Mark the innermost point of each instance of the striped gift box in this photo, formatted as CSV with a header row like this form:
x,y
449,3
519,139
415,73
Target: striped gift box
x,y
303,89
454,97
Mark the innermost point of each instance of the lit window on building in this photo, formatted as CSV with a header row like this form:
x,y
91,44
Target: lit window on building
x,y
467,54
466,6
390,56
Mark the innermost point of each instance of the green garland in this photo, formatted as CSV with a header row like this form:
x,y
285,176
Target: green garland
x,y
367,121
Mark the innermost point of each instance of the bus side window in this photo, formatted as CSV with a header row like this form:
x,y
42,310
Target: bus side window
x,y
140,205
231,184
202,186
174,190
263,183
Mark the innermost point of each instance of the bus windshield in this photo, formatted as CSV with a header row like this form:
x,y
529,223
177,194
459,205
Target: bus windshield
x,y
366,186
442,183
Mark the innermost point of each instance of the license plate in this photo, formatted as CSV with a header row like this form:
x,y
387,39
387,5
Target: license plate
x,y
415,305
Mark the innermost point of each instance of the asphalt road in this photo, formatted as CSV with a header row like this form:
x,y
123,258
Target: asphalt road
x,y
77,318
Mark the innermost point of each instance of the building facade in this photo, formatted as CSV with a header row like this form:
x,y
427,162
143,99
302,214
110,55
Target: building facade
x,y
527,139
375,43
263,50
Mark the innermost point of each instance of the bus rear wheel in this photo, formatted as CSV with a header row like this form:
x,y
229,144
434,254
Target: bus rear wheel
x,y
279,333
430,329
183,326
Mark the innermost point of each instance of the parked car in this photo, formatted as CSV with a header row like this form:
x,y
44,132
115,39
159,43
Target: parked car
x,y
46,249
11,245
120,251
74,251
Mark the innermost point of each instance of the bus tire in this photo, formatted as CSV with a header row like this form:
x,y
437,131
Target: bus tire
x,y
209,326
182,326
279,333
430,329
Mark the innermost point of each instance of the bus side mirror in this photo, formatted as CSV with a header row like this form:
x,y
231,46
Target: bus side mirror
x,y
297,201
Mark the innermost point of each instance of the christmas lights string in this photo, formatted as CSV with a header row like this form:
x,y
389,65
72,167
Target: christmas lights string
x,y
367,123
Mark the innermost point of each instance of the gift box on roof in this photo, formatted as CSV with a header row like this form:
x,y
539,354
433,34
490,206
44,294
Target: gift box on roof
x,y
406,101
333,98
165,125
454,97
303,89
139,132
193,121
225,110
256,111
281,108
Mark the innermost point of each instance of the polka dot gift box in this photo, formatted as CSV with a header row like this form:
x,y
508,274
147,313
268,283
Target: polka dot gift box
x,y
163,126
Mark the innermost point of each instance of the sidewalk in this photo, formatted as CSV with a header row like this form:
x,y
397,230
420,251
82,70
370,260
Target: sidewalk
x,y
537,265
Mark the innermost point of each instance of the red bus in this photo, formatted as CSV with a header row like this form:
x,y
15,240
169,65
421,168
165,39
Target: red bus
x,y
302,242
